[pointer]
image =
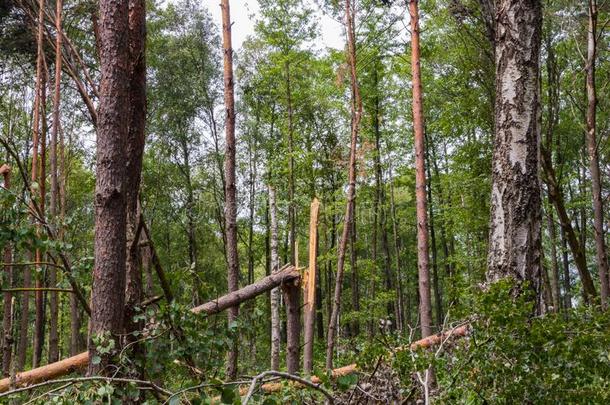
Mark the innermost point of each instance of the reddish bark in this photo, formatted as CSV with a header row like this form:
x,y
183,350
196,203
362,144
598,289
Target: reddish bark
x,y
425,302
230,189
135,151
108,291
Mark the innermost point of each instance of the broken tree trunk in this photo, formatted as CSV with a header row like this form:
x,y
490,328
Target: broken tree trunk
x,y
292,298
286,274
309,284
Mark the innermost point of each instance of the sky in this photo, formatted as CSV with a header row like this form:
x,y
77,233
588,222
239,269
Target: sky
x,y
245,12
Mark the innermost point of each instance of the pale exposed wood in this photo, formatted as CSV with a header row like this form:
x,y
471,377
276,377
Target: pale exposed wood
x,y
309,285
288,273
433,340
47,372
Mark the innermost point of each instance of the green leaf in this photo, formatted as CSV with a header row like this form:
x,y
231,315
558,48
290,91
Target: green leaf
x,y
96,360
227,396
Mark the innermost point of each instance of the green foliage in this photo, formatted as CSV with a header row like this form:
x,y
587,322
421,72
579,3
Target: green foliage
x,y
512,357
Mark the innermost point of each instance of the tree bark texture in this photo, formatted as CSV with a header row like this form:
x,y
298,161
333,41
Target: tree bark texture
x,y
275,292
230,191
54,303
596,191
135,151
425,301
7,319
514,238
108,291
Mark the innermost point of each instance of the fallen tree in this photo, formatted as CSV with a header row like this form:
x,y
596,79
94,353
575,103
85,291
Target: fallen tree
x,y
53,370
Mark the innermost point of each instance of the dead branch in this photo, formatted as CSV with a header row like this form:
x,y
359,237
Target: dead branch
x,y
302,381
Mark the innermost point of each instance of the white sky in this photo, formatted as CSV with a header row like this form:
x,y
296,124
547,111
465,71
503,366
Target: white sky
x,y
245,12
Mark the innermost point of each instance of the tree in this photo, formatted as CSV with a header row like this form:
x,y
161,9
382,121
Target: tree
x,y
135,151
230,188
356,109
592,148
425,301
514,237
108,291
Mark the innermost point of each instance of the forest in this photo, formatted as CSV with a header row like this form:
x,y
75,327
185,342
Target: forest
x,y
196,211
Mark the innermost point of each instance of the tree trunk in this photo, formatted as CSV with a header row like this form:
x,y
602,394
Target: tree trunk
x,y
38,176
311,289
425,306
598,210
291,206
354,279
514,238
135,151
292,295
567,284
24,321
554,264
275,293
54,303
435,275
7,319
108,291
356,107
400,320
577,249
230,191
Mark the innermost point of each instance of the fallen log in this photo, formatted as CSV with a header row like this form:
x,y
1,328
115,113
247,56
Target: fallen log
x,y
284,275
47,372
80,361
434,340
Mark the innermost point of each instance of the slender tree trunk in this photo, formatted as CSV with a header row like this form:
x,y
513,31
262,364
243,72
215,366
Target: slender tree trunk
x,y
354,281
399,292
425,305
377,198
556,196
7,319
24,321
514,238
333,323
54,303
554,264
310,298
291,205
547,294
108,291
598,210
37,176
275,293
230,191
435,276
567,284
